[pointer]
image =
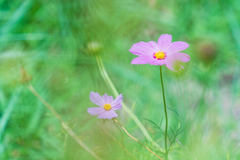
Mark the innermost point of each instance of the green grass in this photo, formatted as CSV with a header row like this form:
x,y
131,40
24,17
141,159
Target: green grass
x,y
52,41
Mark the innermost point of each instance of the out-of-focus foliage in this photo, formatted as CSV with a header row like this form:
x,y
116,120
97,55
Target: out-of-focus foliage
x,y
56,42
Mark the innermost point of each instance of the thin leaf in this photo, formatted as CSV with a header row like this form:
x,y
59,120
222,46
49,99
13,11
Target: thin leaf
x,y
173,110
161,123
155,125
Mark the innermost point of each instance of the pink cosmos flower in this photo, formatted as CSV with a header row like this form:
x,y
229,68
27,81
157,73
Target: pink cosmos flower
x,y
164,52
107,105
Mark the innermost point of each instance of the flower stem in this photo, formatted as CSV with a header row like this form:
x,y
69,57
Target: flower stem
x,y
136,139
128,111
165,109
122,140
125,150
185,149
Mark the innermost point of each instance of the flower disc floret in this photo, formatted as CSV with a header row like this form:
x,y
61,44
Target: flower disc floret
x,y
107,107
159,55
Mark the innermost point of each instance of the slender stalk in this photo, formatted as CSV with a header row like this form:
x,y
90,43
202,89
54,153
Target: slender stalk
x,y
64,124
129,153
122,140
165,109
185,149
136,139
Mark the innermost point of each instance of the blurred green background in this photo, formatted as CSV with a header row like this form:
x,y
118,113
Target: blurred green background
x,y
56,41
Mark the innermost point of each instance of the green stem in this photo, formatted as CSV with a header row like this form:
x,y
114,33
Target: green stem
x,y
165,109
128,111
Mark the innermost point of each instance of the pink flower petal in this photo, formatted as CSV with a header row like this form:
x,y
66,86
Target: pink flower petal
x,y
172,61
95,110
173,65
105,98
117,100
157,62
176,47
154,46
147,59
142,60
182,57
117,107
97,99
108,115
164,41
169,64
110,99
141,48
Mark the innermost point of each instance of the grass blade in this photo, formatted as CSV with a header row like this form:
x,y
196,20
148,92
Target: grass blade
x,y
64,124
4,119
19,13
6,115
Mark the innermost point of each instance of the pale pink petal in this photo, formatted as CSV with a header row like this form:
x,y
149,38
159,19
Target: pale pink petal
x,y
176,47
182,57
170,64
145,60
110,99
118,100
173,65
154,46
164,41
142,60
95,110
141,48
117,107
97,99
105,98
108,115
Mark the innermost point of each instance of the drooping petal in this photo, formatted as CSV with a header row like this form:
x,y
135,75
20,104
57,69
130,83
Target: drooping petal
x,y
105,98
95,110
97,99
108,115
169,65
154,46
182,57
117,107
142,60
176,47
164,41
141,48
117,100
173,65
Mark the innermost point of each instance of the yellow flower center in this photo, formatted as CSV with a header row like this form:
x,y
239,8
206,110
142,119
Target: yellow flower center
x,y
159,55
107,107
